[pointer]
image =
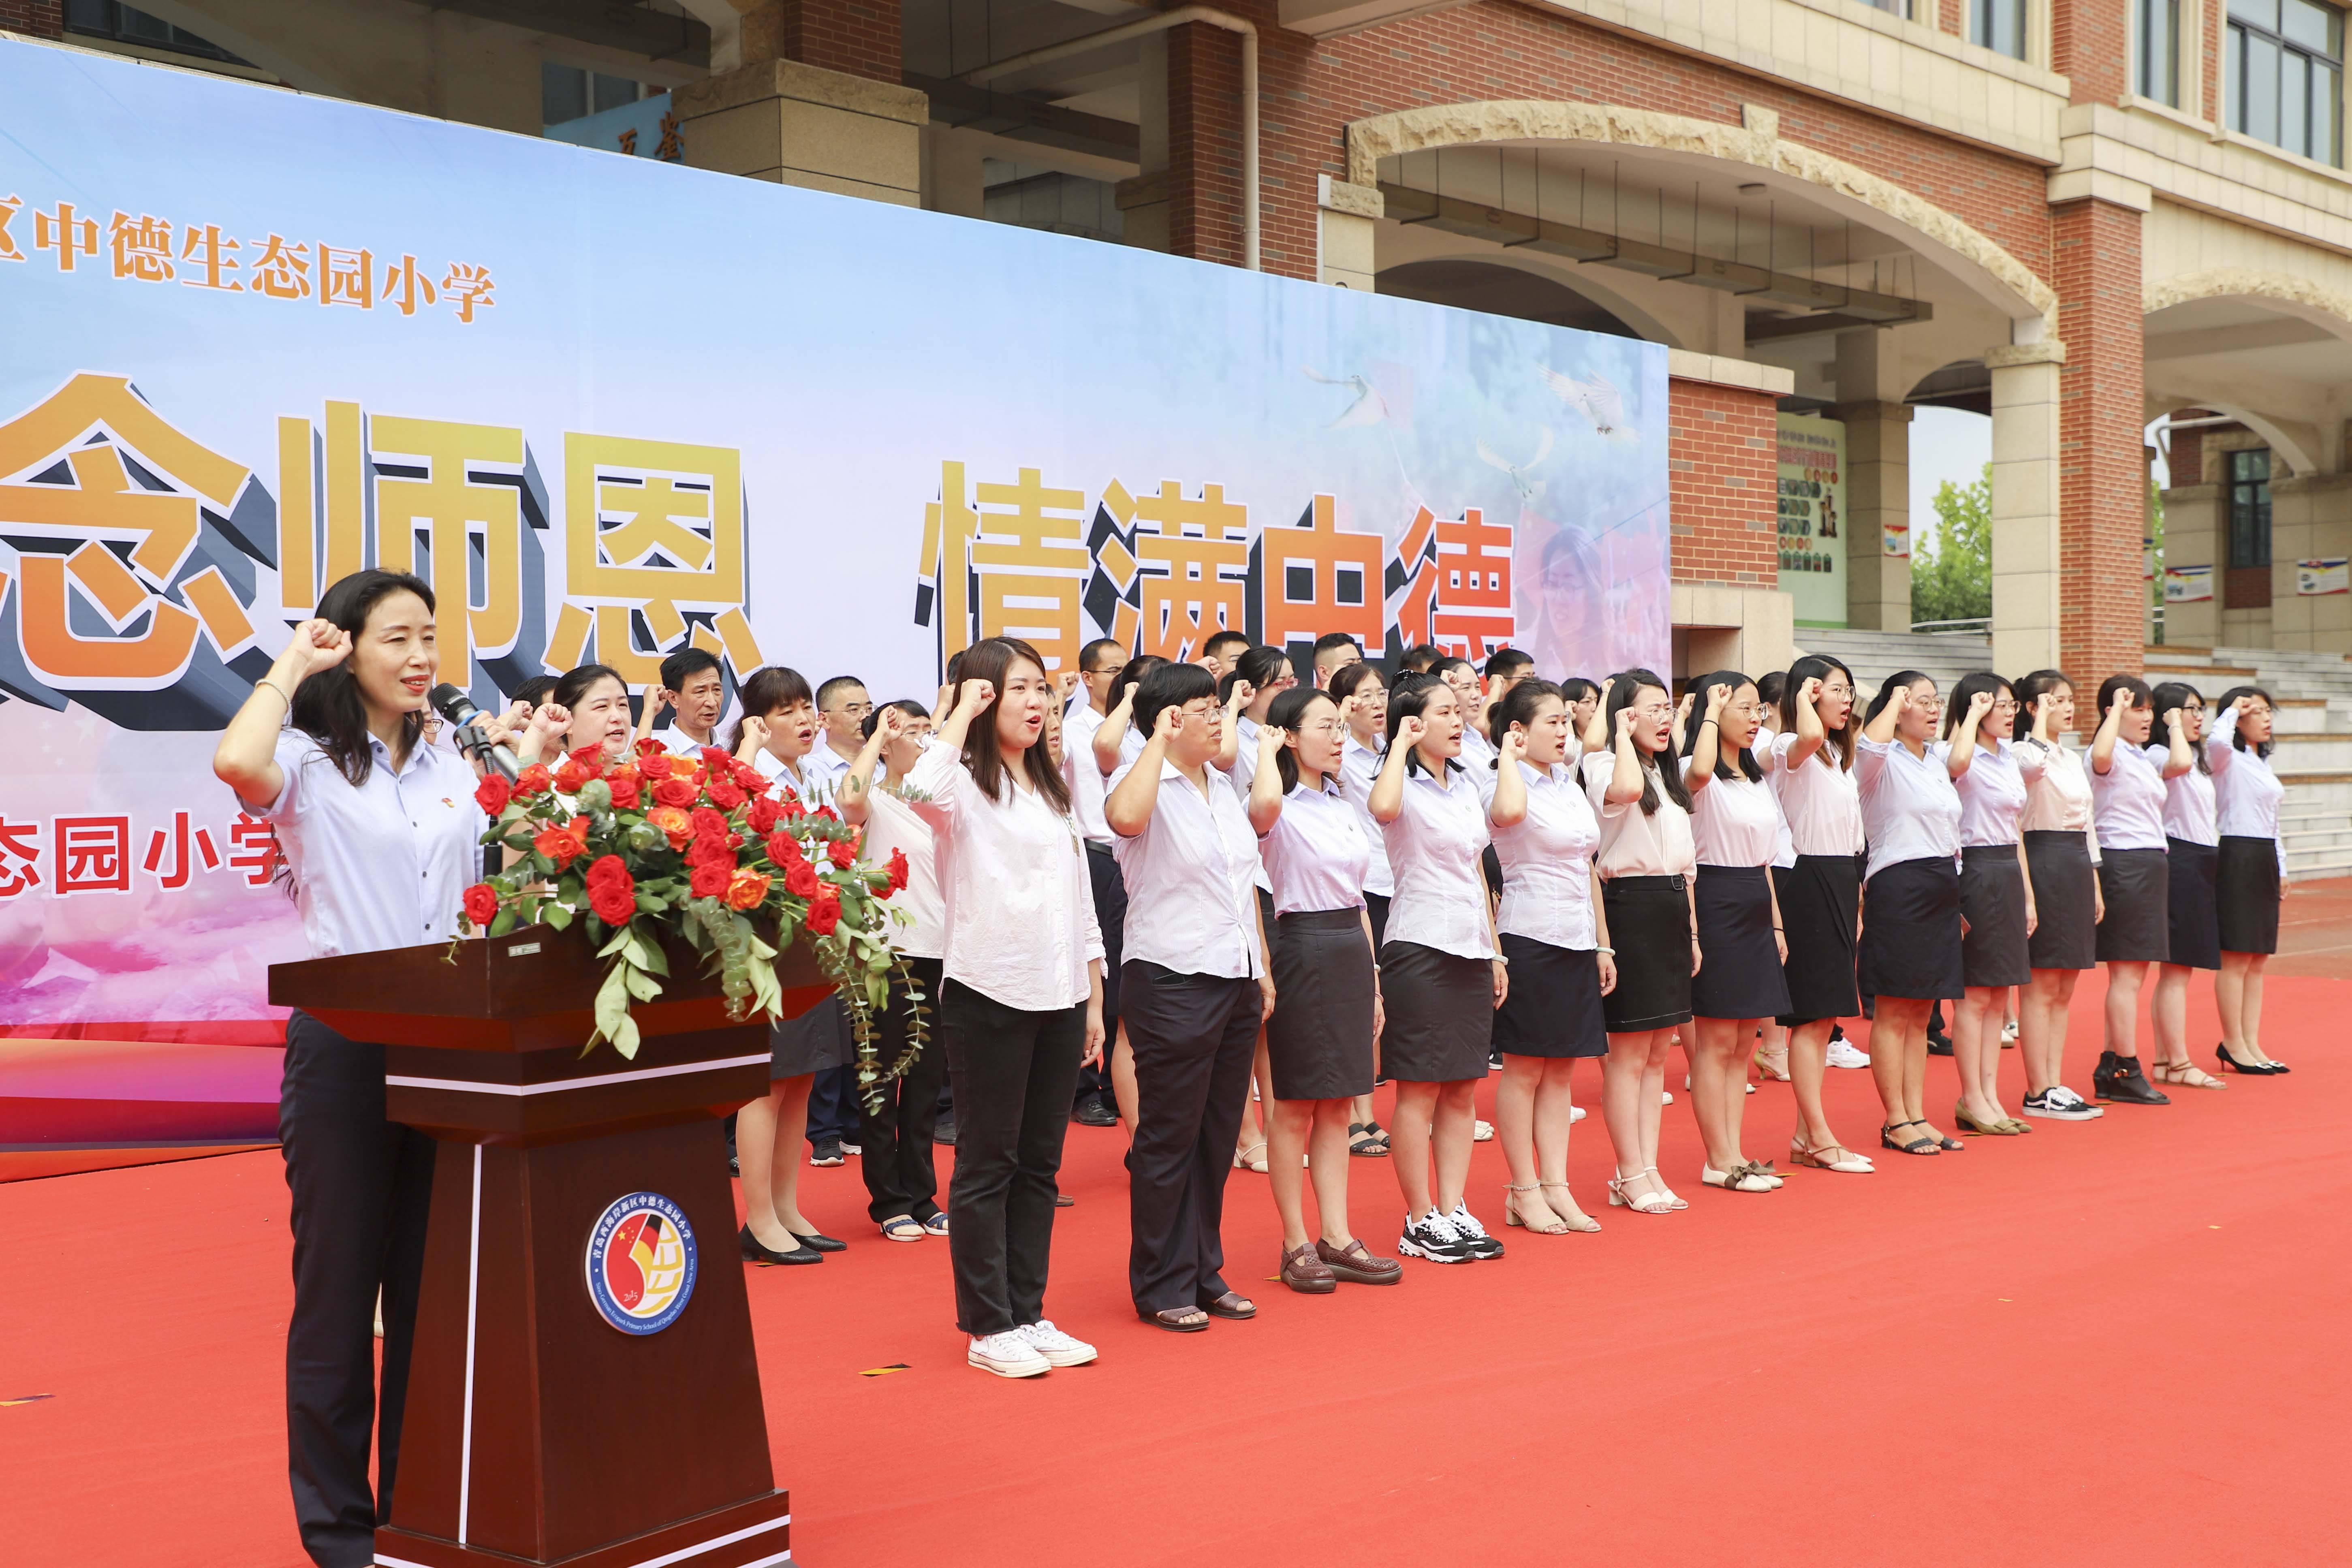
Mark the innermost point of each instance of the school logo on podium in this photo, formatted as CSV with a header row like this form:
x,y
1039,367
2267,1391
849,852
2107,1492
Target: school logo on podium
x,y
641,1263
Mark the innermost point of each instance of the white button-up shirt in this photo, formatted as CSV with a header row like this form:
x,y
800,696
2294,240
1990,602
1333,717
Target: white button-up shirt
x,y
892,823
1478,751
680,744
1993,792
1434,846
1909,808
1019,901
1316,853
1192,903
813,786
1078,770
1358,766
1820,801
1634,843
1734,821
1547,858
2058,799
1245,774
2189,806
823,763
384,864
2127,800
2246,790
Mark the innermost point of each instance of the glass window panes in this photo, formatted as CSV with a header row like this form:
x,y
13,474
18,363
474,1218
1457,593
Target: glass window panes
x,y
2000,26
2250,508
2159,26
107,19
612,91
563,93
2261,13
2284,79
2316,27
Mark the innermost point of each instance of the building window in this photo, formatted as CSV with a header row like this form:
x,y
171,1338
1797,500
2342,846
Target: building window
x,y
2000,25
1891,7
2156,73
568,93
124,24
2250,508
2286,75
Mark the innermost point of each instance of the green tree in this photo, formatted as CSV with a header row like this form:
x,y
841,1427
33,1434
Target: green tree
x,y
1951,580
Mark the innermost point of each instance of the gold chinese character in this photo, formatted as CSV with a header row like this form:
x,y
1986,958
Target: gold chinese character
x,y
203,248
1195,557
466,506
402,284
142,247
468,288
346,278
1030,559
66,234
284,270
9,207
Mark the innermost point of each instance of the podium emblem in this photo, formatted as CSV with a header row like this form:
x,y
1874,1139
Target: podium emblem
x,y
641,1263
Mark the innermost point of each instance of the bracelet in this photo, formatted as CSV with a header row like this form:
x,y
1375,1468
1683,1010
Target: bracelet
x,y
1705,723
286,696
1610,950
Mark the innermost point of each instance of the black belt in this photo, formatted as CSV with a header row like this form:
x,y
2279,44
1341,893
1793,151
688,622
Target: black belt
x,y
1674,882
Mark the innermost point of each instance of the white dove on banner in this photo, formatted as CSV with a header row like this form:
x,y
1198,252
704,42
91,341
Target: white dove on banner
x,y
1597,400
1369,408
1530,491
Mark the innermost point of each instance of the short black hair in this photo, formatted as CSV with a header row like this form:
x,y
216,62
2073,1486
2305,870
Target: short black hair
x,y
1170,685
824,693
2229,699
534,692
2175,694
907,705
1093,651
1330,640
1575,689
1219,639
685,665
1446,664
1503,660
1419,657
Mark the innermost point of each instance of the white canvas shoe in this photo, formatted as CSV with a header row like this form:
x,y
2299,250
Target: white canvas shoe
x,y
1008,1354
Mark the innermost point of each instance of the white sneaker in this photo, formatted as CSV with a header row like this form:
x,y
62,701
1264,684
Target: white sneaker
x,y
1575,1114
1481,1132
1844,1055
1058,1348
1008,1354
2085,1109
2008,1033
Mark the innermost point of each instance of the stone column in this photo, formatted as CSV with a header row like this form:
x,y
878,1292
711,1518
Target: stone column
x,y
1350,215
2311,518
815,104
1877,479
2025,556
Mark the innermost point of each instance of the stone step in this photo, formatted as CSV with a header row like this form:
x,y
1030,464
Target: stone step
x,y
2307,753
2320,863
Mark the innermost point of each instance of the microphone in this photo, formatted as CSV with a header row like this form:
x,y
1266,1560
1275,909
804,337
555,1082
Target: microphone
x,y
452,703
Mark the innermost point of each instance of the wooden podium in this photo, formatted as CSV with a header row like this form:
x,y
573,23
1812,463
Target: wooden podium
x,y
584,1390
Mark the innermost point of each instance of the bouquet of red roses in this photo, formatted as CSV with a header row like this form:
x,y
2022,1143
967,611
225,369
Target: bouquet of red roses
x,y
701,845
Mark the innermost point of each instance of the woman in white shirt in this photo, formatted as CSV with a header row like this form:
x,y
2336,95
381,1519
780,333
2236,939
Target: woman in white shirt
x,y
2252,878
2192,853
1020,995
381,833
1645,861
901,1182
1361,693
1810,764
1326,1005
2127,779
1194,991
1910,899
1735,833
1997,907
1550,932
1441,978
2060,845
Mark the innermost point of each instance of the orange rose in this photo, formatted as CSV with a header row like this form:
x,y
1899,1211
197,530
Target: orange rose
x,y
746,890
673,822
683,767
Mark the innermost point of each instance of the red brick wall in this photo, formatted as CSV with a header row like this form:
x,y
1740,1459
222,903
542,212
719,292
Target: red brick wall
x,y
2090,44
1723,490
1952,17
40,19
2102,479
1204,145
857,37
2186,462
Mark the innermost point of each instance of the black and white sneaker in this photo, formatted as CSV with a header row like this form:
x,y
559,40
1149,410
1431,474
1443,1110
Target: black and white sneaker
x,y
1435,1238
826,1151
1474,1235
2059,1104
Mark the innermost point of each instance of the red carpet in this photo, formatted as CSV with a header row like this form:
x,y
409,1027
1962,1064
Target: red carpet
x,y
2111,1343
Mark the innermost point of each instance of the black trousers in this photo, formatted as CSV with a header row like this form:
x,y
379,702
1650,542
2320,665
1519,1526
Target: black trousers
x,y
1110,914
360,1188
1014,1073
1194,1038
900,1176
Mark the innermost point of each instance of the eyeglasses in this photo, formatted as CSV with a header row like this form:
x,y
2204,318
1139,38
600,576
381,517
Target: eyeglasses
x,y
1322,727
1654,710
1837,691
1194,710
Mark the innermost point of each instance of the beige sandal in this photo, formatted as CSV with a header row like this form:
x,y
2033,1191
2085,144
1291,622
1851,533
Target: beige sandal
x,y
1576,1219
1511,1212
1830,1157
2186,1075
1243,1161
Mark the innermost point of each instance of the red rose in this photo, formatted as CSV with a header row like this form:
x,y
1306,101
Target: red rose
x,y
570,777
710,851
763,814
716,760
784,849
897,869
673,822
793,809
710,881
800,879
824,910
750,777
827,811
745,890
481,904
624,785
649,747
562,845
533,780
709,823
677,793
612,891
725,794
842,853
589,760
492,795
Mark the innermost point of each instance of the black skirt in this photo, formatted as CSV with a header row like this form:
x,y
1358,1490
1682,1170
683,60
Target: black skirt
x,y
1819,896
1739,965
816,1041
2065,902
1993,901
1441,1014
2193,929
1553,1008
1911,931
2246,888
1318,1041
1649,925
2132,883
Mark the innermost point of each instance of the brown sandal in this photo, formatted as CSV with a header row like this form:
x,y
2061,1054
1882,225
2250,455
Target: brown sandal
x,y
1232,1305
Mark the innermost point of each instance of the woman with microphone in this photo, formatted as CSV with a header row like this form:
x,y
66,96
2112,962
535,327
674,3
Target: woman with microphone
x,y
380,834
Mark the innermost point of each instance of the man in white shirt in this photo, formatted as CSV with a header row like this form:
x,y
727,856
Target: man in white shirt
x,y
1222,648
842,706
1098,666
1333,650
694,691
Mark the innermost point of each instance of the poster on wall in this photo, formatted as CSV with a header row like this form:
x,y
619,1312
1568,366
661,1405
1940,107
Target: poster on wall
x,y
2326,574
2188,584
613,408
1813,518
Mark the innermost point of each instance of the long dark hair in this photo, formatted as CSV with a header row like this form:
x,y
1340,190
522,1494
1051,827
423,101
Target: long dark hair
x,y
769,690
1519,706
1900,679
2141,697
1725,767
1407,699
2238,736
1623,689
1817,666
1289,710
983,759
327,706
1956,707
1258,666
2031,690
2175,694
